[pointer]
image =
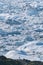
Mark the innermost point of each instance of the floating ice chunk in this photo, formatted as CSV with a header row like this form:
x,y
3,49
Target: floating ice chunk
x,y
12,54
34,4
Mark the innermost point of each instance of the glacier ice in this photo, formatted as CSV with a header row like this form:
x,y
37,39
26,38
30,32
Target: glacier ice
x,y
21,28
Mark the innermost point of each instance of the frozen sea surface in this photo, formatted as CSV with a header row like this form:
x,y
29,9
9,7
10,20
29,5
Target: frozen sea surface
x,y
21,29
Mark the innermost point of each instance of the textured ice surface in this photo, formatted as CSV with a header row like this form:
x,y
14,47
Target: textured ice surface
x,y
21,28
